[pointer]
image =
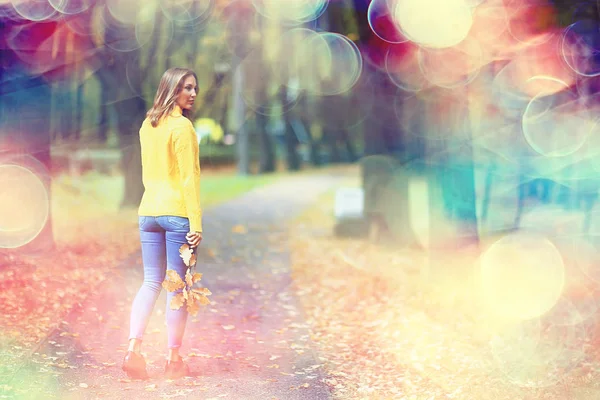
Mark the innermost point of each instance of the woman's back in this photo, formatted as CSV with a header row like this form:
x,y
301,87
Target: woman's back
x,y
171,169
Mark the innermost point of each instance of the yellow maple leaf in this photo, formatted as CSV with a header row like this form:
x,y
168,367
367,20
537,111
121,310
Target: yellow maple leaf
x,y
172,281
185,294
189,281
177,301
186,255
200,296
203,300
239,229
196,277
228,327
193,306
151,388
202,291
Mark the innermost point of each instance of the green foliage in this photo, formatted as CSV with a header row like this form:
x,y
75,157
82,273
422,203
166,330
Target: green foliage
x,y
216,154
219,188
349,20
570,11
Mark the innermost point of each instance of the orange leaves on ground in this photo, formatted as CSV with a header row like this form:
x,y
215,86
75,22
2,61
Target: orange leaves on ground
x,y
241,229
352,302
151,388
386,331
228,327
192,298
37,292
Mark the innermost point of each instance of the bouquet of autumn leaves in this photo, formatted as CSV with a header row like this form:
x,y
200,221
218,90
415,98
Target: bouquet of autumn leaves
x,y
192,297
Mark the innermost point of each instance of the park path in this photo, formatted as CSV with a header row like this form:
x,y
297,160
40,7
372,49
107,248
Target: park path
x,y
252,342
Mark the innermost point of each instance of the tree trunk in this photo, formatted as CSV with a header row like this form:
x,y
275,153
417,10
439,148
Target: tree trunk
x,y
330,137
350,151
130,115
331,120
304,115
239,111
65,96
79,103
210,95
154,41
360,12
194,40
267,154
130,110
54,120
63,105
314,156
103,115
179,40
224,112
291,141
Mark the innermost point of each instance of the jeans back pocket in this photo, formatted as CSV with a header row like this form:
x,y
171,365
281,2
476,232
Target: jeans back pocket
x,y
179,222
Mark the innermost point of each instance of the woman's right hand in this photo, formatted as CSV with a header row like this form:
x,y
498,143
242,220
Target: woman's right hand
x,y
194,238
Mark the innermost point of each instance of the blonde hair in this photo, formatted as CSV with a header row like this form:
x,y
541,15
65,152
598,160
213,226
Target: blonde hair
x,y
171,84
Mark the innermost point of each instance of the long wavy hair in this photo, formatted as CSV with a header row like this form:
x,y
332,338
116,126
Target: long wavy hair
x,y
171,84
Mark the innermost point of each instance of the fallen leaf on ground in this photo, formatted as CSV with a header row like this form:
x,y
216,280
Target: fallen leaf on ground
x,y
241,229
387,331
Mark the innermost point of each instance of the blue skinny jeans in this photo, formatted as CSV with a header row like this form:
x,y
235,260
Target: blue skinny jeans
x,y
161,238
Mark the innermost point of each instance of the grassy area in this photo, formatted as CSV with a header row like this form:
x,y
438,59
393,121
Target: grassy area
x,y
217,189
92,200
78,200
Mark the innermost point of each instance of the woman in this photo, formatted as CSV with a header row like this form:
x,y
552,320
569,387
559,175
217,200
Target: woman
x,y
169,214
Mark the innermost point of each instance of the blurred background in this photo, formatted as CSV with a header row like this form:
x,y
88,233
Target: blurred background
x,y
468,128
460,114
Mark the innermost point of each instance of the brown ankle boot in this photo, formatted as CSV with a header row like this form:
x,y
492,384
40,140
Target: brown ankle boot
x,y
135,366
176,369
